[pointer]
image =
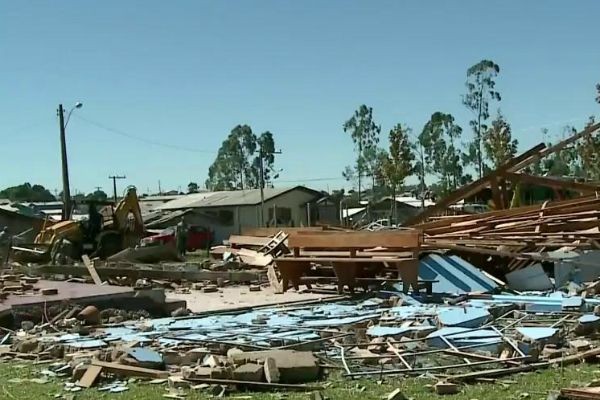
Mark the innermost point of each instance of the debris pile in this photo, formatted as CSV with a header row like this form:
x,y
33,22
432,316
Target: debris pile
x,y
454,338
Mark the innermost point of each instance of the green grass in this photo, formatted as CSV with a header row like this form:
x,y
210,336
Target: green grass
x,y
15,384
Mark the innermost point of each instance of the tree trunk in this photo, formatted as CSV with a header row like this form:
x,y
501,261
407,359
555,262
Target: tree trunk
x,y
478,140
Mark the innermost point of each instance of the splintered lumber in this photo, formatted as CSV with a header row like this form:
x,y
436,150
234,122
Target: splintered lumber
x,y
90,266
405,239
587,393
267,232
496,179
129,370
242,241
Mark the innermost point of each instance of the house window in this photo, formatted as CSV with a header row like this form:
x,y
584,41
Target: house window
x,y
284,216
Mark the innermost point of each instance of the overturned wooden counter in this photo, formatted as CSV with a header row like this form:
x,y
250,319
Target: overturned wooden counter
x,y
353,256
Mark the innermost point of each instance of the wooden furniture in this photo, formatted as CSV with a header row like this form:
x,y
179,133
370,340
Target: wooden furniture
x,y
352,255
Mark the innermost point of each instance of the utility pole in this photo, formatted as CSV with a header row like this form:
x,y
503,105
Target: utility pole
x,y
262,186
67,207
114,179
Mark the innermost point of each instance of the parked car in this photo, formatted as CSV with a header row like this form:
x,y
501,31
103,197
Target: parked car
x,y
198,237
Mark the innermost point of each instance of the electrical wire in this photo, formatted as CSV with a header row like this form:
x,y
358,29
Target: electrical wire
x,y
139,138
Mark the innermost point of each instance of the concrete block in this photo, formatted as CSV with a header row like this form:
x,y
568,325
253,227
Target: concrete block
x,y
210,289
194,355
78,371
249,372
293,366
271,371
178,382
579,345
212,361
172,357
551,352
196,372
231,352
445,388
220,373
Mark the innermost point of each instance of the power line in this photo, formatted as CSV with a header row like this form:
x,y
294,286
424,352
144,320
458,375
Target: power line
x,y
139,138
310,180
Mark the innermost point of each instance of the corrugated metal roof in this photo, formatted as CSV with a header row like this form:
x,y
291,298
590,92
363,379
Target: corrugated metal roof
x,y
454,274
228,198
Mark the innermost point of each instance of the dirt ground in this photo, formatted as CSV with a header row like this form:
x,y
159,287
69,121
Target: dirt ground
x,y
239,296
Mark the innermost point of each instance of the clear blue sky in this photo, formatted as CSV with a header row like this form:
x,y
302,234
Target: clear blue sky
x,y
186,72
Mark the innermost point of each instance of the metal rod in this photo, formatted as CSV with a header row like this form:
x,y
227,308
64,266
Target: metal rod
x,y
435,368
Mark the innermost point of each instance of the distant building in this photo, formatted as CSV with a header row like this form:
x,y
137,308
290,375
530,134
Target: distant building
x,y
227,212
18,219
148,204
406,207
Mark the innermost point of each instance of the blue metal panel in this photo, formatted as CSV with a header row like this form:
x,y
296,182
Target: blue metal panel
x,y
465,317
455,275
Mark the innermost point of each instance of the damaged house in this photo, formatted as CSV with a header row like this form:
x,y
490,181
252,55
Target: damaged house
x,y
228,212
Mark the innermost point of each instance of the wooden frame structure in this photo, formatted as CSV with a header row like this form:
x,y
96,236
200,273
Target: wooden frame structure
x,y
352,255
497,179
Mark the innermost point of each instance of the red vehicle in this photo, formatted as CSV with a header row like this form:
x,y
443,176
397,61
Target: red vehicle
x,y
198,237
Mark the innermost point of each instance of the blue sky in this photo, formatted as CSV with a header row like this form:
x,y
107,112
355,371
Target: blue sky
x,y
184,73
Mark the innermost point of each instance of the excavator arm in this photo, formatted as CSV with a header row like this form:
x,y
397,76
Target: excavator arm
x,y
129,205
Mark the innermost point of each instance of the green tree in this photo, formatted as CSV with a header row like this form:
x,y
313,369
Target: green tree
x,y
266,150
365,134
350,175
441,153
97,195
587,150
598,93
374,160
237,165
231,168
192,187
399,161
498,142
480,92
27,192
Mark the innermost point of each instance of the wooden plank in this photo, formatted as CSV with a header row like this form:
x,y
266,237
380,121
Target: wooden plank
x,y
266,232
552,182
408,239
240,240
90,376
274,280
345,260
92,270
129,370
559,146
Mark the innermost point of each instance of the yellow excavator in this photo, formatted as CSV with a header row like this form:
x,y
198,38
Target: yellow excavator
x,y
103,234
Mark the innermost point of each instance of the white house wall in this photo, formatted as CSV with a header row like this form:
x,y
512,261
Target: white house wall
x,y
249,216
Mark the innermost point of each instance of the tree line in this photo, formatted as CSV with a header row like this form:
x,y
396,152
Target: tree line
x,y
441,150
27,192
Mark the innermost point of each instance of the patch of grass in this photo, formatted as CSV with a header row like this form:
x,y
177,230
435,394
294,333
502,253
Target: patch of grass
x,y
15,384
